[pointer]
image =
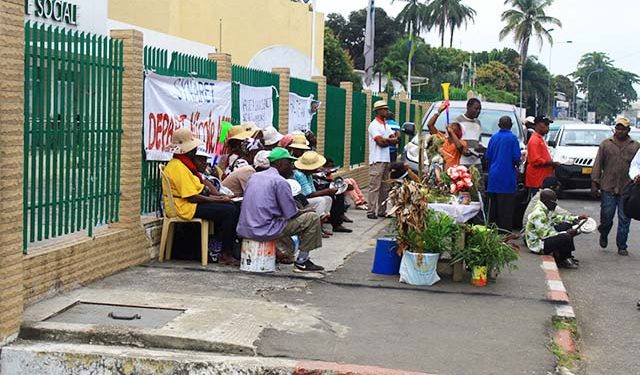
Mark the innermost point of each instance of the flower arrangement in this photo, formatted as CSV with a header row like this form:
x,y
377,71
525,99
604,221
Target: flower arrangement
x,y
460,179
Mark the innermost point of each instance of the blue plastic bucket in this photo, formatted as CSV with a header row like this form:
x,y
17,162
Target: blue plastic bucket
x,y
386,260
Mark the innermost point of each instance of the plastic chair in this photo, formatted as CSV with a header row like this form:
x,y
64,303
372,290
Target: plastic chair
x,y
171,217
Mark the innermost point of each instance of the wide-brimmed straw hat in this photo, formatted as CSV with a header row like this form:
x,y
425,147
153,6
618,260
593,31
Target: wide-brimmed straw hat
x,y
271,136
184,141
310,161
243,131
299,141
380,104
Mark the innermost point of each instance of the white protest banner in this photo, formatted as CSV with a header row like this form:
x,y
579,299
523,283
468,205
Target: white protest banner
x,y
171,103
300,114
256,105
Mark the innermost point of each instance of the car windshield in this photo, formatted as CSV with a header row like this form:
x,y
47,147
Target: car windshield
x,y
635,135
584,137
488,118
551,135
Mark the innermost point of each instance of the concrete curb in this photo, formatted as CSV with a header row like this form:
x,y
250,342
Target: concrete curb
x,y
557,294
27,357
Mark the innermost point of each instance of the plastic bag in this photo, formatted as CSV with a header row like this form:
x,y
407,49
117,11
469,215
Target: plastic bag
x,y
419,268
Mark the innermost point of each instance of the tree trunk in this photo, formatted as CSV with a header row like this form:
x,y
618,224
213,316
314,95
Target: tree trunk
x,y
451,40
443,25
524,49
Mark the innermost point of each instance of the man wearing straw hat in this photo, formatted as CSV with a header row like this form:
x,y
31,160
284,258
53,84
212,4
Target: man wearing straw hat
x,y
269,212
299,144
381,136
195,198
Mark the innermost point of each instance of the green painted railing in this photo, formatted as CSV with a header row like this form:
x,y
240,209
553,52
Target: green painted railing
x,y
374,98
335,120
181,65
72,131
305,88
257,78
359,125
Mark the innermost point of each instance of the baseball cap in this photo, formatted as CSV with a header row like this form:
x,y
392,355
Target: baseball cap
x,y
623,121
279,153
202,151
544,119
261,160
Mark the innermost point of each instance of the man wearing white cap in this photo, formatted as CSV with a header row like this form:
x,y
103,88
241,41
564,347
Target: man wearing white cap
x,y
191,195
271,137
381,136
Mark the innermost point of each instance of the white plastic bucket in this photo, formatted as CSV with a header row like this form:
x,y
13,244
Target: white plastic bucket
x,y
258,256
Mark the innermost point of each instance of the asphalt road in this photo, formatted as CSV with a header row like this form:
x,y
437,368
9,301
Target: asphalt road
x,y
604,292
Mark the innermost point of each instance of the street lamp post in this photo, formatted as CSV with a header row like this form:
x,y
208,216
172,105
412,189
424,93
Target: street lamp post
x,y
586,107
550,74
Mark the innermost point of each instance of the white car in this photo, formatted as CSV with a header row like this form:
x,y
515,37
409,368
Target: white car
x,y
575,148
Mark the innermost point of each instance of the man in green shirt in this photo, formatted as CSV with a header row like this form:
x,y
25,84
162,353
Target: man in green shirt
x,y
548,232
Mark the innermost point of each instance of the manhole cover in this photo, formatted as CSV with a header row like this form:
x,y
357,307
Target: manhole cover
x,y
115,315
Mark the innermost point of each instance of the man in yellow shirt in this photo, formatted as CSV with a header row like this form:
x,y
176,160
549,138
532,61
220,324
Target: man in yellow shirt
x,y
194,198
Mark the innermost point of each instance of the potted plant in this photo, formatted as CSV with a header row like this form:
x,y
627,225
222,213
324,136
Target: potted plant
x,y
485,249
423,246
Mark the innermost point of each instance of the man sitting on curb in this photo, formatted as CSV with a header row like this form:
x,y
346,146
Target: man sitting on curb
x,y
306,166
549,182
269,212
547,232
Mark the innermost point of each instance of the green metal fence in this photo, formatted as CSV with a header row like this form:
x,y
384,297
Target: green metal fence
x,y
181,65
72,131
358,127
305,88
257,78
335,120
374,98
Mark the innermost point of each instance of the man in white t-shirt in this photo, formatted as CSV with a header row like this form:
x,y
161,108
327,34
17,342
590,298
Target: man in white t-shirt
x,y
471,131
381,136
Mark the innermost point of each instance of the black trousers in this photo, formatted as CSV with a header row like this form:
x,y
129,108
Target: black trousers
x,y
337,210
501,209
561,245
225,219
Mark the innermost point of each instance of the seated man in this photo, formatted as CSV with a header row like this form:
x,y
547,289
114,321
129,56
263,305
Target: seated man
x,y
306,166
237,180
549,182
194,198
547,232
269,212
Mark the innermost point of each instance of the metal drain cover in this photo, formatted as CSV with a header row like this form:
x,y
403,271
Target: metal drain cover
x,y
115,315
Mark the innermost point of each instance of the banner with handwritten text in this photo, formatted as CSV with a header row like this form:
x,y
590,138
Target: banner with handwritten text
x,y
256,105
300,113
171,103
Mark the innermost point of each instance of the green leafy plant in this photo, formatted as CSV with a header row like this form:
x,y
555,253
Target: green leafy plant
x,y
485,246
436,236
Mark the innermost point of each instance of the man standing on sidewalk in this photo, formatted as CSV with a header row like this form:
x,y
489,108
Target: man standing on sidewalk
x,y
471,132
503,157
539,162
381,136
608,179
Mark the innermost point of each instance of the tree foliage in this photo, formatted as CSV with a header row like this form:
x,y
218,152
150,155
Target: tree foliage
x,y
452,14
525,20
610,89
337,65
498,75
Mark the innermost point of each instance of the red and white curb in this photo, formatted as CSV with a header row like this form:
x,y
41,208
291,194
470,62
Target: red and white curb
x,y
556,292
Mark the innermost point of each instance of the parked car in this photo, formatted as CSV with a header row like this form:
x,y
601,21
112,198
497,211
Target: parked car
x,y
489,116
635,134
575,148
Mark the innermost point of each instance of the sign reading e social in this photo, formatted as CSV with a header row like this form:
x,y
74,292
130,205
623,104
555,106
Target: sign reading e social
x,y
55,10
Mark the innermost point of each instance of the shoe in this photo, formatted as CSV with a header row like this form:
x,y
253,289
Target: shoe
x,y
228,260
384,214
213,257
574,260
567,263
341,229
307,266
362,206
327,232
623,252
284,258
372,216
346,219
604,241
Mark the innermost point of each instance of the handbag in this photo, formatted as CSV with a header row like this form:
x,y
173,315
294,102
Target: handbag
x,y
631,200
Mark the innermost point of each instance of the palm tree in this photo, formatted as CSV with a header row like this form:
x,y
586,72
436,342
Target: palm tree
x,y
527,19
448,13
458,15
413,17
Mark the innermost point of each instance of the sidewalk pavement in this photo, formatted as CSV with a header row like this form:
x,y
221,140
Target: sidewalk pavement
x,y
347,315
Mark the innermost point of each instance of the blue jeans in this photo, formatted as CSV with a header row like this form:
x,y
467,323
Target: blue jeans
x,y
610,202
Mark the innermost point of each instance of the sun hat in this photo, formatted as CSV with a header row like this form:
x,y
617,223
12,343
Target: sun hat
x,y
202,151
286,140
529,119
184,141
243,131
623,121
261,160
380,104
299,141
310,161
271,136
295,186
280,153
